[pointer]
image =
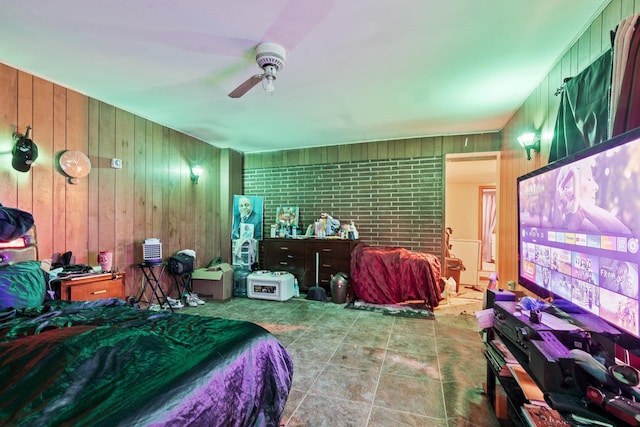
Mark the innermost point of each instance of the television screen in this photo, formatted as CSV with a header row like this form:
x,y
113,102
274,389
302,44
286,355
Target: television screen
x,y
579,231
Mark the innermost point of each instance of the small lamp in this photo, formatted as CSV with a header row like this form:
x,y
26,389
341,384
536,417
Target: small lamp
x,y
530,141
196,171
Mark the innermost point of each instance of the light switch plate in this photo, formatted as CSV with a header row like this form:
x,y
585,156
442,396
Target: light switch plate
x,y
116,163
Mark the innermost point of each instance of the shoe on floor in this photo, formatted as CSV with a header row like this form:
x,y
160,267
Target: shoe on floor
x,y
173,303
197,299
194,298
190,301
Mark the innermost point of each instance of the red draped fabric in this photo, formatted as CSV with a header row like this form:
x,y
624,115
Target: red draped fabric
x,y
390,275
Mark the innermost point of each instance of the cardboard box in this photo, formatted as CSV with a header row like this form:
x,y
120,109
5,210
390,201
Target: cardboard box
x,y
214,283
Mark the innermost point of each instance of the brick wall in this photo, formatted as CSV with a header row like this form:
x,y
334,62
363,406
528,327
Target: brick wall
x,y
396,202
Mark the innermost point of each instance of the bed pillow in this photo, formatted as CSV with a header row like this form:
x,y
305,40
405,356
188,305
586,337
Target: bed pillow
x,y
22,285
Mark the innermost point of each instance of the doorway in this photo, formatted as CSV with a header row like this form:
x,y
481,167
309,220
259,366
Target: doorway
x,y
487,227
468,178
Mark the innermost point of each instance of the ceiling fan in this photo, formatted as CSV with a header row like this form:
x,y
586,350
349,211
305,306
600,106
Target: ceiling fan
x,y
270,57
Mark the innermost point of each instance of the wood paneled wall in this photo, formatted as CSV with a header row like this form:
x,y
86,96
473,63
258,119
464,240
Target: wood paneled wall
x,y
151,196
540,110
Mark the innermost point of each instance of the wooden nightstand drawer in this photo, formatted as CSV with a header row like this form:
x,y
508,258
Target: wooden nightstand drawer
x,y
93,287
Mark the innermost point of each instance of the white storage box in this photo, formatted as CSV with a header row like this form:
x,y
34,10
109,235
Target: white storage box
x,y
277,286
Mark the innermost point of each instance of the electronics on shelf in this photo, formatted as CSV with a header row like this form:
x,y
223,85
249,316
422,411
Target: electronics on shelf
x,y
579,235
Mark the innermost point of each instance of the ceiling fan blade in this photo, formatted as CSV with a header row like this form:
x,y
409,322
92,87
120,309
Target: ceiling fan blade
x,y
245,86
296,20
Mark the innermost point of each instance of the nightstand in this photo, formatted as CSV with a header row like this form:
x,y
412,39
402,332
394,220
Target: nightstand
x,y
93,287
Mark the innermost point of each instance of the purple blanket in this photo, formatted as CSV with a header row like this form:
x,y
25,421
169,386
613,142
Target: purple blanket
x,y
106,364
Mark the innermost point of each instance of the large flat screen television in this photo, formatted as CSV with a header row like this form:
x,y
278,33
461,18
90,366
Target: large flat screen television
x,y
579,232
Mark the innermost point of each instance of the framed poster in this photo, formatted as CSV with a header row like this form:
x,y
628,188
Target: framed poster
x,y
247,210
287,215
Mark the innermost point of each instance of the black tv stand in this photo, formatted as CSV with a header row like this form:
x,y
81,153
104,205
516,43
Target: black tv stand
x,y
544,353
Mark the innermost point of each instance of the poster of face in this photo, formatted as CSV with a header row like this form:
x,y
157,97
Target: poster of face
x,y
287,215
247,217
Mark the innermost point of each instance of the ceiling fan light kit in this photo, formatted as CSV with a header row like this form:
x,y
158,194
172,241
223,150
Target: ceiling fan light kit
x,y
270,54
270,57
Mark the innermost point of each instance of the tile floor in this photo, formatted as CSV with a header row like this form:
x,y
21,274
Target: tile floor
x,y
360,368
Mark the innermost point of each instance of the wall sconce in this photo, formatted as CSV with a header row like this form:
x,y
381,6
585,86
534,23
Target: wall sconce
x,y
530,141
196,171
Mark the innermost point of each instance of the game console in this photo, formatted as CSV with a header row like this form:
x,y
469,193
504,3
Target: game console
x,y
550,361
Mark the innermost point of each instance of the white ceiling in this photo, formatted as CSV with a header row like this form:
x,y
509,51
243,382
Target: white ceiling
x,y
356,70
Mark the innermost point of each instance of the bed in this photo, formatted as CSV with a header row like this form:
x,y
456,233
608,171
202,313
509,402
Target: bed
x,y
391,275
105,363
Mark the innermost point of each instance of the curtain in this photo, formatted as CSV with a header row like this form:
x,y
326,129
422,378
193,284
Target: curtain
x,y
627,113
621,45
583,115
488,223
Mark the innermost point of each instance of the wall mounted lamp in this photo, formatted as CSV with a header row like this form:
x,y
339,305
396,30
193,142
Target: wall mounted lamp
x,y
530,141
196,171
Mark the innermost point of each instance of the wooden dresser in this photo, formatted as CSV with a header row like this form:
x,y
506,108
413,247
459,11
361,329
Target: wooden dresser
x,y
298,256
89,288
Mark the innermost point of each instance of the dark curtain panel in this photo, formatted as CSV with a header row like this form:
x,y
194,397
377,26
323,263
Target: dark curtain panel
x,y
583,115
627,115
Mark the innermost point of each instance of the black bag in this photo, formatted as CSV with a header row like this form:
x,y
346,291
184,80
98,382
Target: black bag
x,y
181,264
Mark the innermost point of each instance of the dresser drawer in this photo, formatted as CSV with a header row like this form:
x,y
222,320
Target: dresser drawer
x,y
331,266
89,289
298,256
330,248
291,265
335,265
279,258
285,248
285,255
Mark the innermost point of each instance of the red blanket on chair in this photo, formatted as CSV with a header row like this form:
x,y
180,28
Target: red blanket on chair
x,y
389,275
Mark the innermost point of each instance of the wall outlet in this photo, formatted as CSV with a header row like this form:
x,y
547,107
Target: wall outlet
x,y
116,163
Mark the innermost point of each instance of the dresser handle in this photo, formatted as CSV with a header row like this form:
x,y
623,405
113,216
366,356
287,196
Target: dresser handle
x,y
326,265
104,291
326,249
283,263
284,248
